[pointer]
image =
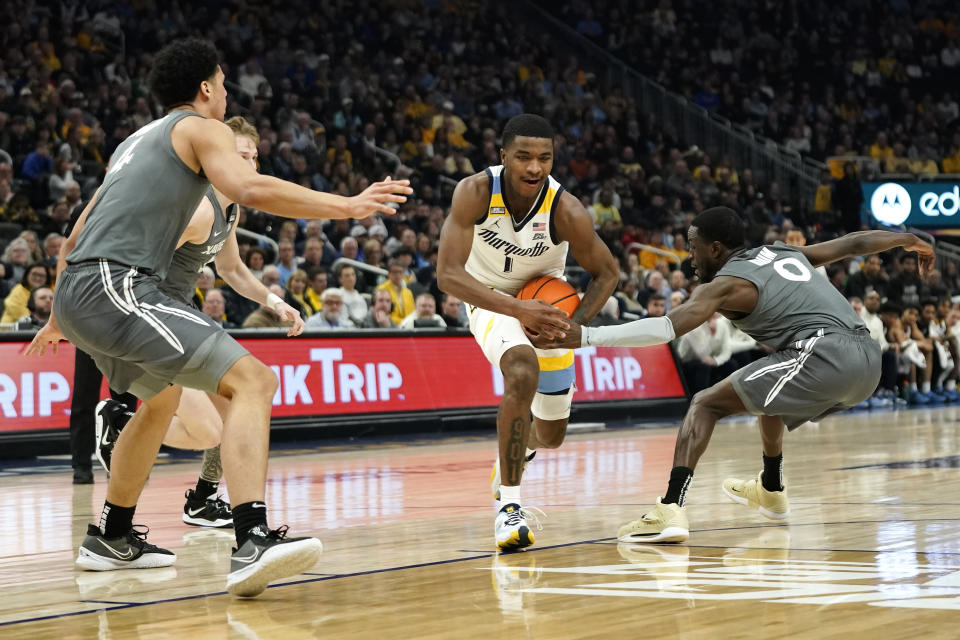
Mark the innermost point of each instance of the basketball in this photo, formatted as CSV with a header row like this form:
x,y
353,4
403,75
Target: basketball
x,y
553,291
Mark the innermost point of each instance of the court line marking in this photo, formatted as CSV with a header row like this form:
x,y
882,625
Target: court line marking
x,y
488,555
334,576
731,546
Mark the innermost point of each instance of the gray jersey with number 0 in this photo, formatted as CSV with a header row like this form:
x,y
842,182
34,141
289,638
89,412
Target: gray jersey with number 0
x,y
793,301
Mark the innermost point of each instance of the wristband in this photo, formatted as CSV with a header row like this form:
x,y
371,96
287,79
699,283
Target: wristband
x,y
273,299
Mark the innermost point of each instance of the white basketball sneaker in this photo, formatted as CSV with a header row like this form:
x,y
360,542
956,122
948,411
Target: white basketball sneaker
x,y
511,530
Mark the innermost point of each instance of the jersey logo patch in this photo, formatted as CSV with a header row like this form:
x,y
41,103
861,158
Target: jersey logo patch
x,y
764,258
498,211
539,226
539,236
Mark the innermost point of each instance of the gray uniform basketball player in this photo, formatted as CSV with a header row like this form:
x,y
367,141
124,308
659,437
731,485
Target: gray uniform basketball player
x,y
209,237
823,359
108,304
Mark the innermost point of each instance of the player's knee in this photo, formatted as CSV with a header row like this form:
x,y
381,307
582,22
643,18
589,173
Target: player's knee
x,y
164,402
521,372
553,437
249,376
703,401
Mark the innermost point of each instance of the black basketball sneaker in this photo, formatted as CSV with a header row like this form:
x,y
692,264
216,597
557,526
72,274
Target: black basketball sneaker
x,y
269,555
110,418
131,551
205,512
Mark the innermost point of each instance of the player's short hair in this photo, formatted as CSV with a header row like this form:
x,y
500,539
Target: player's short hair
x,y
179,68
720,224
526,124
243,127
656,296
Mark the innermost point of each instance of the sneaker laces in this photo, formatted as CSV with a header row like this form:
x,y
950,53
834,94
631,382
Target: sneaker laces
x,y
137,537
220,505
279,533
526,513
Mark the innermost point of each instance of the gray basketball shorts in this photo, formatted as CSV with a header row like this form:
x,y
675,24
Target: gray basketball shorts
x,y
830,371
141,339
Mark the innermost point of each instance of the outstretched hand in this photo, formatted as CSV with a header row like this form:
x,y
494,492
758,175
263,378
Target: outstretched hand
x,y
50,335
380,197
925,255
289,314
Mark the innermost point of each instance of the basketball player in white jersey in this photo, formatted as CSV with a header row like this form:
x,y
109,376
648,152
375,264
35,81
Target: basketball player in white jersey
x,y
507,225
210,236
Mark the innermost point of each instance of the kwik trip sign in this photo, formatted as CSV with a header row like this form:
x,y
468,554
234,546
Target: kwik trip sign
x,y
912,204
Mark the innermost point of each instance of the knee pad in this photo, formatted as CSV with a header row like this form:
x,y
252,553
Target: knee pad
x,y
552,406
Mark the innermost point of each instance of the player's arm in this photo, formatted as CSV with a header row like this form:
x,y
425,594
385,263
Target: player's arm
x,y
862,243
575,226
50,333
236,274
214,146
705,300
456,239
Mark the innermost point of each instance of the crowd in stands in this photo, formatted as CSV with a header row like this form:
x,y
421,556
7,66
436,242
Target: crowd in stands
x,y
857,77
342,95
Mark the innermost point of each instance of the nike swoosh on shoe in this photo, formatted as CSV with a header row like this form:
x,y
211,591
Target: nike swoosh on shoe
x,y
121,556
248,559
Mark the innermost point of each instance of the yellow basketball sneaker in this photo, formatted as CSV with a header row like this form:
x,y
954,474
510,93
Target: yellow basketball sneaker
x,y
511,529
772,504
663,523
495,475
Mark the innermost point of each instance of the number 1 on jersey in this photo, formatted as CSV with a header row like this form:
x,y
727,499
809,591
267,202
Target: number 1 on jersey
x,y
508,265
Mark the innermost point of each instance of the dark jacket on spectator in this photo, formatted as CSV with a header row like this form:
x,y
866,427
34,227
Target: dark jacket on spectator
x,y
906,289
860,285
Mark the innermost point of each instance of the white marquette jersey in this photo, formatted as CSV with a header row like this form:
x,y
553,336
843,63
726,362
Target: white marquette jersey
x,y
505,254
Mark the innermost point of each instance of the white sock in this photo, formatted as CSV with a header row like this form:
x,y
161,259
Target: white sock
x,y
926,387
950,385
509,495
913,386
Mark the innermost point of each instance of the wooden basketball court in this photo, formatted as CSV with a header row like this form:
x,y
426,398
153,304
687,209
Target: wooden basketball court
x,y
872,548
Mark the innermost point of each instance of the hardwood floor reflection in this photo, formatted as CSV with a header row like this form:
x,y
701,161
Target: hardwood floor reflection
x,y
872,547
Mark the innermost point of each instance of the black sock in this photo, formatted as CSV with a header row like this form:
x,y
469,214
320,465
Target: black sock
x,y
206,490
116,521
773,473
677,489
246,516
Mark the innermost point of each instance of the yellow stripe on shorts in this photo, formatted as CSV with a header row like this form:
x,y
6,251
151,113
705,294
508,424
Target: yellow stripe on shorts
x,y
487,330
556,363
